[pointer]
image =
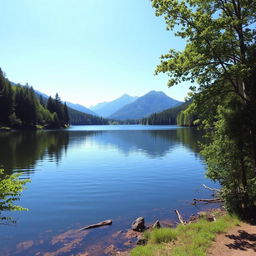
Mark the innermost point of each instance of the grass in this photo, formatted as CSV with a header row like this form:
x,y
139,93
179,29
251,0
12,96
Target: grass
x,y
5,128
189,240
39,127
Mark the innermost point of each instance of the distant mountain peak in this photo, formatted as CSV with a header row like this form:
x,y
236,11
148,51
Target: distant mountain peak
x,y
153,92
151,102
80,108
125,95
105,109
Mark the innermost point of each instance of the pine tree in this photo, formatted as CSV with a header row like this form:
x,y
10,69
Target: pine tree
x,y
6,99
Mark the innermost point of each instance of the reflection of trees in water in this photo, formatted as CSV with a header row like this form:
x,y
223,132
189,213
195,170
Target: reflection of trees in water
x,y
21,150
151,142
190,137
154,143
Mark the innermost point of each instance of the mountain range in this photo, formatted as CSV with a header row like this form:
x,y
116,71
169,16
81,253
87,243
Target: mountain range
x,y
106,109
127,107
150,103
123,108
81,108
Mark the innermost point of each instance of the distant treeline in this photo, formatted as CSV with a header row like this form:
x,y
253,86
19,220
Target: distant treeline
x,y
180,115
20,107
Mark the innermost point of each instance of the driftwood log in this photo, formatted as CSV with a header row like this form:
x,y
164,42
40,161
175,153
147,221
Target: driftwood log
x,y
212,189
214,200
100,224
179,217
216,195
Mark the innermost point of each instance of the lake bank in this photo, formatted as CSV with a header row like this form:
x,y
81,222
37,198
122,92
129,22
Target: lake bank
x,y
193,239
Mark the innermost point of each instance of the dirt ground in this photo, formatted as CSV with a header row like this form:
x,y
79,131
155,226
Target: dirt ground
x,y
239,241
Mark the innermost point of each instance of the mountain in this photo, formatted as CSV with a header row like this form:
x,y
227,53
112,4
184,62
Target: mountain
x,y
146,105
106,109
80,108
79,118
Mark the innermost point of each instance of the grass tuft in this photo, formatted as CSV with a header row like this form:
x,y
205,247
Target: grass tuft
x,y
161,235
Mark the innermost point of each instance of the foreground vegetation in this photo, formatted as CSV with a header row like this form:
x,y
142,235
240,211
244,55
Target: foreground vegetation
x,y
219,56
185,240
11,187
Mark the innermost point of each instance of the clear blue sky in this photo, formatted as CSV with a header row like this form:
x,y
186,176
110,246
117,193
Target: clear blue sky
x,y
88,51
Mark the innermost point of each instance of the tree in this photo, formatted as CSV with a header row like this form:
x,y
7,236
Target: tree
x,y
26,106
10,189
6,99
220,55
59,111
66,114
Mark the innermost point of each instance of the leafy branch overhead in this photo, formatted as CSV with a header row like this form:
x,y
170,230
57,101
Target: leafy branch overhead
x,y
220,39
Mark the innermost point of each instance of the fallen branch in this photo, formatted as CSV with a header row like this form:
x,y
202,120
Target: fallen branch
x,y
179,217
215,200
212,189
100,224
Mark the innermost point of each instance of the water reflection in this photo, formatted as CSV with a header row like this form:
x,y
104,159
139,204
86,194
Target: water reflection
x,y
80,177
22,150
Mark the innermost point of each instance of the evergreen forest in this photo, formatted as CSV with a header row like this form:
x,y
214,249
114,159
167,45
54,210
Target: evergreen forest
x,y
22,107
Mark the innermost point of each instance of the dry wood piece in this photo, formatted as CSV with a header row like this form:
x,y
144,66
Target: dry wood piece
x,y
100,224
179,217
215,200
212,189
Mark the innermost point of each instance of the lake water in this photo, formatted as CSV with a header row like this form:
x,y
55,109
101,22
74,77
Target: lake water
x,y
88,174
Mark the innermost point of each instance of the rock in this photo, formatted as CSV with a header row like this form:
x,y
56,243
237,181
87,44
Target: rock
x,y
156,224
138,224
211,218
141,240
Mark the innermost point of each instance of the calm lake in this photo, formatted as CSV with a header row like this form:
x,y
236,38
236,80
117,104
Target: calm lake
x,y
87,174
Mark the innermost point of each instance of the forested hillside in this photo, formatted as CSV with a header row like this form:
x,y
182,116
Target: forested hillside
x,y
166,117
20,108
79,118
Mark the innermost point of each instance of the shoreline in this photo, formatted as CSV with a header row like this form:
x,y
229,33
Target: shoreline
x,y
193,237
